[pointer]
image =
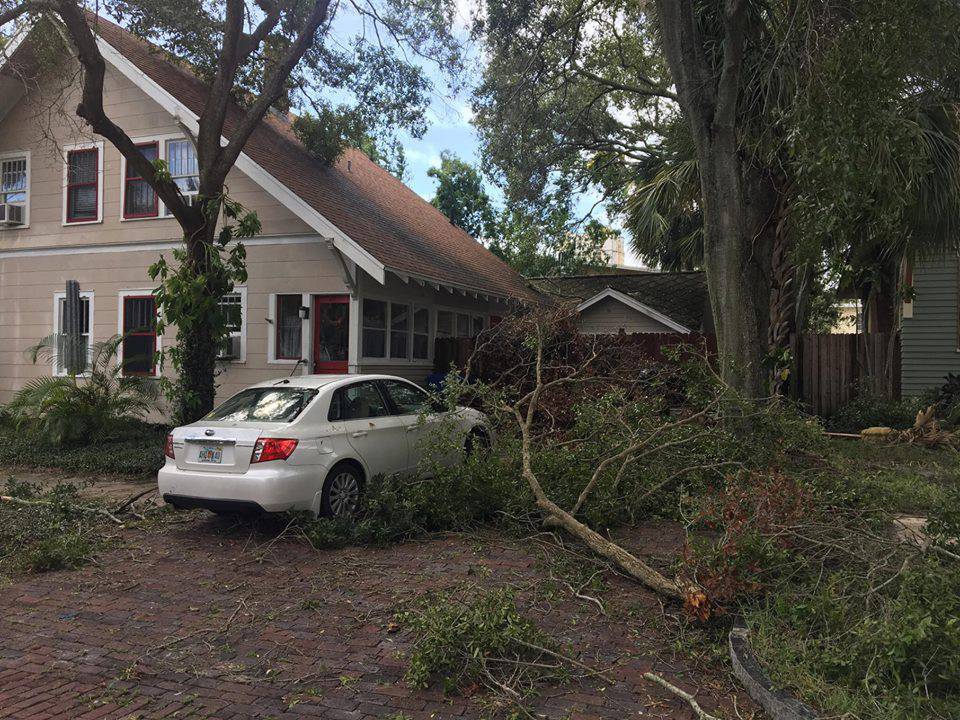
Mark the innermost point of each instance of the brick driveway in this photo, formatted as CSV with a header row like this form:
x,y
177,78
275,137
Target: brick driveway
x,y
206,618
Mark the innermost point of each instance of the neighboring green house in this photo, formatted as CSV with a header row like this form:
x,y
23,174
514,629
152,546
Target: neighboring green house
x,y
929,341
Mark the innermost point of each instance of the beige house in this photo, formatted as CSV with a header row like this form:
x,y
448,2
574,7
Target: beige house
x,y
353,272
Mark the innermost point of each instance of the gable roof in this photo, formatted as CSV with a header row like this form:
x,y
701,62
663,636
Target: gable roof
x,y
372,217
680,297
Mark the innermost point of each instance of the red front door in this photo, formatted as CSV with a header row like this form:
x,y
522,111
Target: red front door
x,y
331,333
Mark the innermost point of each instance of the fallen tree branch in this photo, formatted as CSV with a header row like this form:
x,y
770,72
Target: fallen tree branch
x,y
95,511
683,694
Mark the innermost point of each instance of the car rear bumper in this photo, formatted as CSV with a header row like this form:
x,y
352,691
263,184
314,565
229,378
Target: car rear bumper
x,y
275,487
226,507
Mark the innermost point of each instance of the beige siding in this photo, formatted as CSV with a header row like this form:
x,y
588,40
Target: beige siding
x,y
29,126
28,285
612,316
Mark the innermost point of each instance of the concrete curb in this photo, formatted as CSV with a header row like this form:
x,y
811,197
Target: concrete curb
x,y
778,704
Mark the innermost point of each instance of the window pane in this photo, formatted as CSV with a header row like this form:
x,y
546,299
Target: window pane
x,y
82,203
444,323
374,343
374,314
82,166
289,325
359,401
138,353
230,306
149,152
421,320
13,181
477,325
408,399
463,325
139,314
399,324
181,158
421,347
264,405
139,199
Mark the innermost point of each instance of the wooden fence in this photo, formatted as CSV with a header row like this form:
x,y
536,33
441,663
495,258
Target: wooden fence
x,y
829,369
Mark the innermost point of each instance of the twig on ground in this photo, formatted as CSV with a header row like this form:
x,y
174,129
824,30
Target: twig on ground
x,y
93,510
682,694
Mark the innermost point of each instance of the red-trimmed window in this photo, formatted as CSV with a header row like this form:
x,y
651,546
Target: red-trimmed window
x,y
139,199
139,334
83,185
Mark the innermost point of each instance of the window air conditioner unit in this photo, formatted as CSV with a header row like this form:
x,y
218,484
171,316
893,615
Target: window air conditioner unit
x,y
11,215
231,348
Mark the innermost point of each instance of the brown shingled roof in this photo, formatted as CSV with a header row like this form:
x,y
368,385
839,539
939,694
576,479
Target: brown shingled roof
x,y
372,207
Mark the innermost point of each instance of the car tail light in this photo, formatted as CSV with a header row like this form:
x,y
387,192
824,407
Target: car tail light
x,y
168,447
273,449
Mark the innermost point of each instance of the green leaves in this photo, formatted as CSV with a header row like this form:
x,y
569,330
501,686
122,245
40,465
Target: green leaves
x,y
461,196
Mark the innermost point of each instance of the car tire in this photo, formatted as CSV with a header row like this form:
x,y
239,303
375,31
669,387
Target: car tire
x,y
341,491
477,441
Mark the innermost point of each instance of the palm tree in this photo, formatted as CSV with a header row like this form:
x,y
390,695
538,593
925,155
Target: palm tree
x,y
82,408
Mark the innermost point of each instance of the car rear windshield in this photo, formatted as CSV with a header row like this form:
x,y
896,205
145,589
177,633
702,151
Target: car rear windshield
x,y
264,405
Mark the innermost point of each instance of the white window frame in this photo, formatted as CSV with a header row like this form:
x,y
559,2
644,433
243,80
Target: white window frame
x,y
272,358
59,297
67,149
409,360
15,155
121,295
177,138
161,141
386,329
240,290
472,314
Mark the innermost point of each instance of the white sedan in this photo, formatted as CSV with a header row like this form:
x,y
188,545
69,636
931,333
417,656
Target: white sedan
x,y
308,442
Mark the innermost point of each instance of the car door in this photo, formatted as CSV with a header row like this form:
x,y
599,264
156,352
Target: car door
x,y
378,437
423,425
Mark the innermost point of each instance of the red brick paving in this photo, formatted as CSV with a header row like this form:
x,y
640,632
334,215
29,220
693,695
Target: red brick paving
x,y
206,619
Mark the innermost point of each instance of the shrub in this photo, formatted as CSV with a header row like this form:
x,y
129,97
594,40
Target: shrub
x,y
75,410
476,637
61,552
867,410
134,449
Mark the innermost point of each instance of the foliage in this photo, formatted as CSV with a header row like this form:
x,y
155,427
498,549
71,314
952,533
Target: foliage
x,y
132,449
869,410
847,615
52,534
475,636
460,196
331,131
80,410
189,293
539,242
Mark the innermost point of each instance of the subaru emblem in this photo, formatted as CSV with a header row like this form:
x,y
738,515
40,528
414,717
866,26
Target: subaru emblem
x,y
208,432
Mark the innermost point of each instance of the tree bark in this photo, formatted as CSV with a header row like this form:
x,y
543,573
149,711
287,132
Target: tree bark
x,y
738,198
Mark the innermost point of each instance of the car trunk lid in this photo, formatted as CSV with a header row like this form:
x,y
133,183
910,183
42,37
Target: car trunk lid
x,y
215,447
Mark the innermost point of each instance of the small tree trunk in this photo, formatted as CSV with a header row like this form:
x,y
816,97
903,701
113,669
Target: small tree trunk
x,y
196,344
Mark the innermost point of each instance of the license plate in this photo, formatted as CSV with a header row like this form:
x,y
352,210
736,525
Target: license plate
x,y
210,454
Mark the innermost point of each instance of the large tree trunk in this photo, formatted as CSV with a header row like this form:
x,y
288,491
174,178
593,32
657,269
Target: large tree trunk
x,y
738,199
738,205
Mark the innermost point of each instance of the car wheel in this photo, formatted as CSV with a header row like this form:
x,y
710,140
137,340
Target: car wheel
x,y
341,491
477,442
